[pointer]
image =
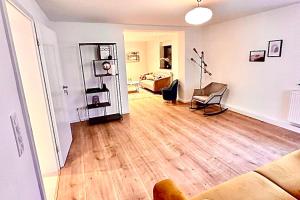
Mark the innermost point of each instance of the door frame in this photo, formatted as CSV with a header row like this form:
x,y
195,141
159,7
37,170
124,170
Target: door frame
x,y
21,94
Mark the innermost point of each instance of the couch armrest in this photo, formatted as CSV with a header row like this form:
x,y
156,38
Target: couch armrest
x,y
167,190
161,83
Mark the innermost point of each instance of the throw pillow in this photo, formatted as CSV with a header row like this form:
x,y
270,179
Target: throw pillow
x,y
150,77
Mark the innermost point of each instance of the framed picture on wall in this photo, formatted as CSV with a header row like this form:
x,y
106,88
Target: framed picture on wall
x,y
133,57
275,48
257,56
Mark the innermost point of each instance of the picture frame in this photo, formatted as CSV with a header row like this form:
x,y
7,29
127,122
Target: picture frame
x,y
104,52
275,48
257,56
133,57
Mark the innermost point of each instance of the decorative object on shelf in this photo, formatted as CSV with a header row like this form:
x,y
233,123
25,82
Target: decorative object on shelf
x,y
98,88
106,66
202,65
133,56
198,15
275,48
104,53
104,86
257,56
95,100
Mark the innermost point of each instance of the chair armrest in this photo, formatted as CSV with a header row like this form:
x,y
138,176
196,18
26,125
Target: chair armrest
x,y
166,89
167,190
199,92
214,98
218,95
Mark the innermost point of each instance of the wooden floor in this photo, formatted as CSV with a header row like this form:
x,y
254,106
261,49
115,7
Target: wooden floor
x,y
123,160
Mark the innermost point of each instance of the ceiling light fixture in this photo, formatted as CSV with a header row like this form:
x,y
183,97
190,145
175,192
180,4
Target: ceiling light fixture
x,y
198,15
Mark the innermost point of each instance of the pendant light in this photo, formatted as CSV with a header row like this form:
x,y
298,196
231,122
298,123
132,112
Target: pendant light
x,y
198,15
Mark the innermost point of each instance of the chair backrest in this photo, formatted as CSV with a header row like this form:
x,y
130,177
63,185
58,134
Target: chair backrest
x,y
214,87
174,85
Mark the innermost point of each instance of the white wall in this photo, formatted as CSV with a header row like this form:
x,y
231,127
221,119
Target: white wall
x,y
193,39
69,36
136,69
257,89
32,7
153,53
17,175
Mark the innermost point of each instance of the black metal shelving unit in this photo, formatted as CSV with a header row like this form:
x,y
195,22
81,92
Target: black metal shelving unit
x,y
96,79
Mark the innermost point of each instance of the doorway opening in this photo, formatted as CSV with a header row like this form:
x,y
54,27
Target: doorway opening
x,y
37,103
152,61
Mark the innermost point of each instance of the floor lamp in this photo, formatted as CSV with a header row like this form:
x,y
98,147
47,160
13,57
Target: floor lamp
x,y
202,65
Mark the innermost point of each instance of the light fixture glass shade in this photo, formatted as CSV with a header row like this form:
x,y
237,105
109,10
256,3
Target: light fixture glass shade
x,y
198,16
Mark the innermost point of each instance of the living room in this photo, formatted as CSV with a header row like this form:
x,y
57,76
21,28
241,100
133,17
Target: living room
x,y
83,118
152,61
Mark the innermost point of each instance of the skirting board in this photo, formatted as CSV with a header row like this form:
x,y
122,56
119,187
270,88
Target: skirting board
x,y
282,124
268,120
184,101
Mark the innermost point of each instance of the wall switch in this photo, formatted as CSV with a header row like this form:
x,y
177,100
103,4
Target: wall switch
x,y
17,132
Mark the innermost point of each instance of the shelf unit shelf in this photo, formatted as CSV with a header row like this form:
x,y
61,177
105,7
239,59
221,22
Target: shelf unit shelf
x,y
105,75
98,105
96,90
95,84
114,59
104,119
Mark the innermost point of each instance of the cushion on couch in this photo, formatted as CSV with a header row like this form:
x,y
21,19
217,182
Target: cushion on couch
x,y
285,172
147,83
250,186
150,77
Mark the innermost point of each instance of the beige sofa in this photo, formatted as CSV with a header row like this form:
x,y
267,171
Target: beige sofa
x,y
279,180
156,81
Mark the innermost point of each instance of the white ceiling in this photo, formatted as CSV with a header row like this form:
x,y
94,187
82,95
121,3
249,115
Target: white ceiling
x,y
151,12
144,36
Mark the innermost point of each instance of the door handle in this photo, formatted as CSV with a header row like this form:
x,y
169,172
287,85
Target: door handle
x,y
65,88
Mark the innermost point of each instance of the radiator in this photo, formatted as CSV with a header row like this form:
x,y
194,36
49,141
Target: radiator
x,y
294,112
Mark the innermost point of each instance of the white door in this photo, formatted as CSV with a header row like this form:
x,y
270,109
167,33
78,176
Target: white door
x,y
33,85
51,64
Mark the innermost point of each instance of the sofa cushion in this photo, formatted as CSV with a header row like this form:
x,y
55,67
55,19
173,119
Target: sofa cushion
x,y
150,77
167,190
147,83
250,186
285,172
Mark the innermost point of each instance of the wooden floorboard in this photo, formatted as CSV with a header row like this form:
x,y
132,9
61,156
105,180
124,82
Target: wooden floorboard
x,y
123,160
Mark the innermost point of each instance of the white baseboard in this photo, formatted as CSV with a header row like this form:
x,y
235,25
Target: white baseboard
x,y
282,124
184,101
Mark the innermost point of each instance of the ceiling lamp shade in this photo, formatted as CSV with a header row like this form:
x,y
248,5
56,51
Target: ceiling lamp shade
x,y
198,15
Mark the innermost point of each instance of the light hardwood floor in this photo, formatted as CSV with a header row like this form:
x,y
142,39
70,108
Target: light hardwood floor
x,y
123,160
